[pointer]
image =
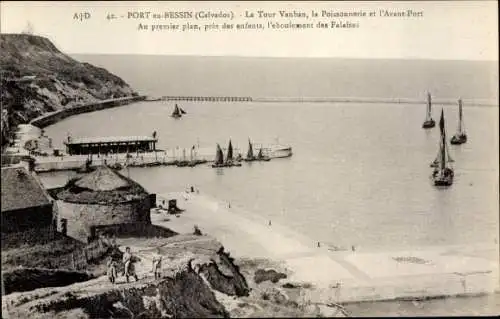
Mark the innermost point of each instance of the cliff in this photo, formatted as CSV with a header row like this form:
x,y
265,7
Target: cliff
x,y
37,78
195,269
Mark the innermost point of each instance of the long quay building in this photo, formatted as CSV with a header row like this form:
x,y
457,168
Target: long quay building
x,y
110,144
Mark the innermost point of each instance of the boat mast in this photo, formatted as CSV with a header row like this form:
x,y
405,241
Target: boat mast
x,y
429,106
460,116
443,141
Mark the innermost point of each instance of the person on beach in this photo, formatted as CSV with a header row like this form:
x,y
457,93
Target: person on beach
x,y
353,248
157,264
128,261
269,222
319,244
229,205
111,266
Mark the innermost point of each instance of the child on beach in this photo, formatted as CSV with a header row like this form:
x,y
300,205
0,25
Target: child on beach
x,y
157,264
111,265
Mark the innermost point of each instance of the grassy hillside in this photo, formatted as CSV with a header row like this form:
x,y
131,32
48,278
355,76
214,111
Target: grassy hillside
x,y
37,78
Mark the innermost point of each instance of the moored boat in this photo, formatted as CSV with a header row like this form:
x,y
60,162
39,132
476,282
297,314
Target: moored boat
x,y
219,158
460,137
260,156
429,122
443,174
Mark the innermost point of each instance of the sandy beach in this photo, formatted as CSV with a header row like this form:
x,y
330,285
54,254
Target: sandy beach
x,y
338,276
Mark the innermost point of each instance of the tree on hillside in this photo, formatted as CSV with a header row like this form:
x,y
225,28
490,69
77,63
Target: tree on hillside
x,y
29,28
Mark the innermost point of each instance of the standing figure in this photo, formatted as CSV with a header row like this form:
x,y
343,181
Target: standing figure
x,y
111,265
128,261
157,264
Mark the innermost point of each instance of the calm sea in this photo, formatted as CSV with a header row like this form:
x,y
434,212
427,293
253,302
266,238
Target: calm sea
x,y
360,172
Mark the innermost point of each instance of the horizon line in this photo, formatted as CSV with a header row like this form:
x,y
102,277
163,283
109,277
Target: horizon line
x,y
285,57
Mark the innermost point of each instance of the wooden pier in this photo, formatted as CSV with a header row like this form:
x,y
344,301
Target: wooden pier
x,y
208,98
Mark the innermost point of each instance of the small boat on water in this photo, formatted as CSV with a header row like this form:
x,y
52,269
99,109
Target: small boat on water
x,y
262,157
251,157
184,162
230,161
177,112
219,158
182,110
443,174
429,122
460,137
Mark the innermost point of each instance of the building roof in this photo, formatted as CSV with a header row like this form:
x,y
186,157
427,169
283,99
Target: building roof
x,y
21,190
102,179
102,185
111,139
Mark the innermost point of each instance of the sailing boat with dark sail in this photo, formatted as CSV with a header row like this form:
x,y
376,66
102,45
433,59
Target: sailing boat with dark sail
x,y
429,122
443,174
177,112
182,110
250,157
219,158
229,157
460,137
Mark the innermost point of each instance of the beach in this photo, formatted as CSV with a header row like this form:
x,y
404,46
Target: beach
x,y
339,276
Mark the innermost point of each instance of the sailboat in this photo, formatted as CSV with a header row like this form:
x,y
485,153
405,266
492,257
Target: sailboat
x,y
250,156
182,110
229,157
429,122
219,158
261,157
177,112
184,162
443,174
460,137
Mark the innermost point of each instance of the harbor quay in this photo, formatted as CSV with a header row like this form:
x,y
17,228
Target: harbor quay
x,y
137,159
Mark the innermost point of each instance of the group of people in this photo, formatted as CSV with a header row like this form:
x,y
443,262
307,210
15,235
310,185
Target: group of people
x,y
129,270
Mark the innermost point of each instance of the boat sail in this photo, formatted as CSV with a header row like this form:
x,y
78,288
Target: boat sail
x,y
219,158
250,155
229,156
176,113
182,110
435,163
443,174
460,137
429,122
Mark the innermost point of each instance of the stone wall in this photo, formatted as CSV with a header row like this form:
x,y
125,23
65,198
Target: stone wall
x,y
38,235
82,217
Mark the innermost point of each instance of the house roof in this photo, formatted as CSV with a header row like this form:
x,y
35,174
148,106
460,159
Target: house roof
x,y
102,179
21,190
103,185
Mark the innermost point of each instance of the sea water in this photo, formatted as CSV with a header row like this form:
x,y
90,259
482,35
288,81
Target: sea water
x,y
359,174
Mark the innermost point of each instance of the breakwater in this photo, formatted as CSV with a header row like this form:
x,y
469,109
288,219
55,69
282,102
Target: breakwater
x,y
53,117
208,98
467,102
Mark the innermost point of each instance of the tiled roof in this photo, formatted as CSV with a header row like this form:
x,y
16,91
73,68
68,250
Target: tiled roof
x,y
21,190
110,139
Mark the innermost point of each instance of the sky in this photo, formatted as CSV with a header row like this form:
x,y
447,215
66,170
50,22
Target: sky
x,y
447,30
